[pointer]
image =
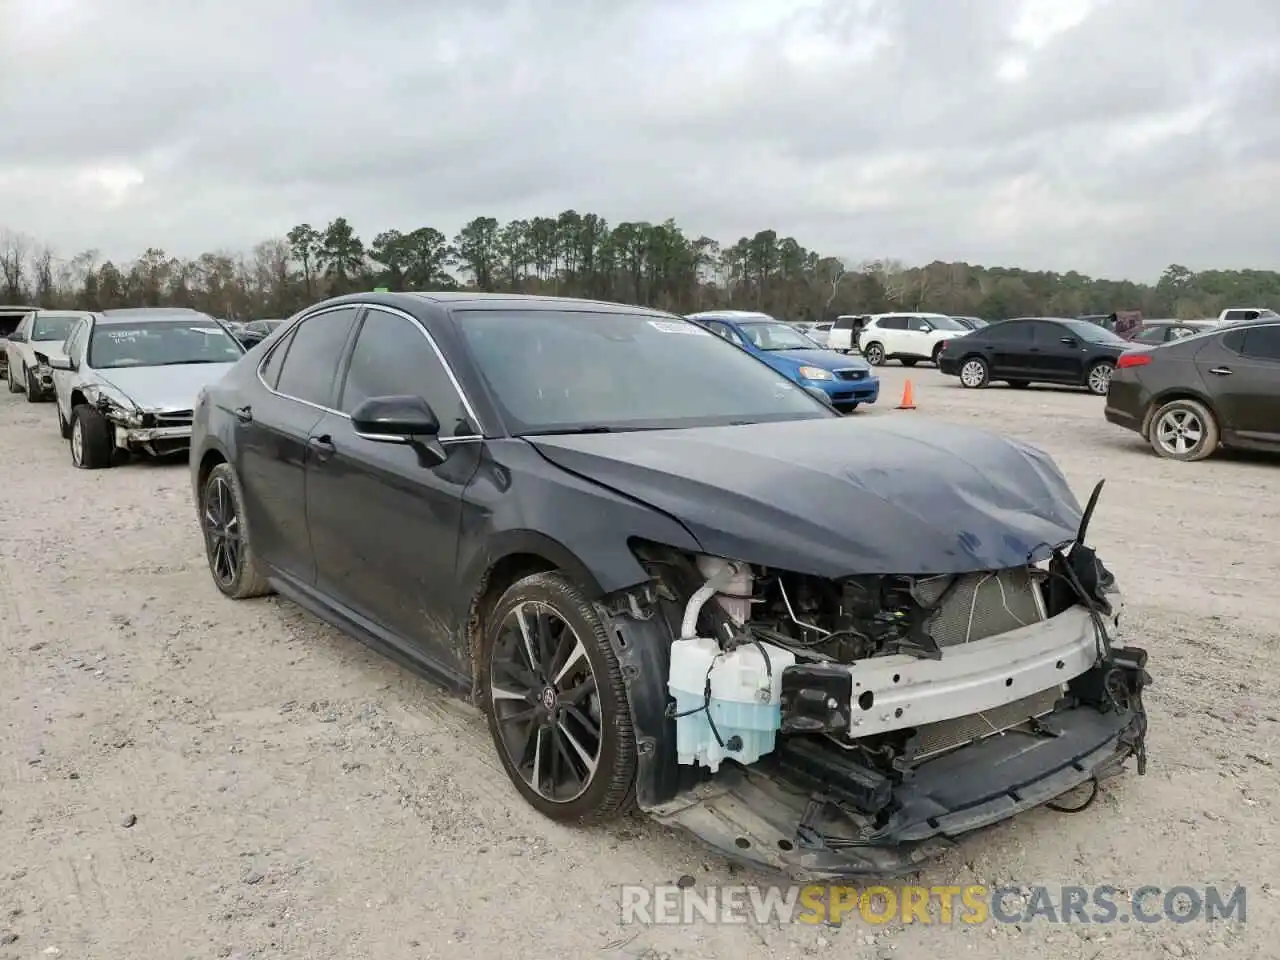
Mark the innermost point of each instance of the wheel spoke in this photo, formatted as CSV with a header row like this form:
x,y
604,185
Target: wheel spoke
x,y
577,652
527,636
589,726
516,678
588,759
579,692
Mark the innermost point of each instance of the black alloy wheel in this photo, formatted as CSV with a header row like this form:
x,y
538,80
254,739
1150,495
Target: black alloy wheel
x,y
556,702
222,532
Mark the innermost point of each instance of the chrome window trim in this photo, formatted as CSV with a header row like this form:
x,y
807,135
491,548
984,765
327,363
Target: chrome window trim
x,y
453,379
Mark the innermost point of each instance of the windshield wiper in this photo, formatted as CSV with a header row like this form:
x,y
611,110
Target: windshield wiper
x,y
569,431
178,363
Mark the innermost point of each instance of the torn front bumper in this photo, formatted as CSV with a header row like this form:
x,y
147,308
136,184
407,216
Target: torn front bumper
x,y
757,815
155,440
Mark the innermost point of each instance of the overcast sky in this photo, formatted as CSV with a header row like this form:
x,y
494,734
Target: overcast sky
x,y
1113,137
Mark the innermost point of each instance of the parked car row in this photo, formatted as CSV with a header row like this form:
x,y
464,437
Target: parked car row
x,y
123,381
652,556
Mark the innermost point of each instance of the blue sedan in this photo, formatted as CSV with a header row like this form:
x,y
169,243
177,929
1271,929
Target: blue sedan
x,y
847,381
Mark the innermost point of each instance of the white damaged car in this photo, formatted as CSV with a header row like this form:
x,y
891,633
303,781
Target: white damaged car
x,y
128,381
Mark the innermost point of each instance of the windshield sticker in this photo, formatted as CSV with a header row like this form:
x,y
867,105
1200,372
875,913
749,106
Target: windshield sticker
x,y
214,331
128,336
667,326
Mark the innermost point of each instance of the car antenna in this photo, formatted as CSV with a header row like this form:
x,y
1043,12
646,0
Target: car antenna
x,y
1088,511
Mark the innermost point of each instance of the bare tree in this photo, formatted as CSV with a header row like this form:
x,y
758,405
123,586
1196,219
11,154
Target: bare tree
x,y
42,276
13,264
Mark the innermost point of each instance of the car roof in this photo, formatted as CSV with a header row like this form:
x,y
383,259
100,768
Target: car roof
x,y
466,300
143,314
65,313
731,315
909,313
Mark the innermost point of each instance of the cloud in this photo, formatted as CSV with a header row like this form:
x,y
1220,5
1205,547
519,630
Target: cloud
x,y
1110,136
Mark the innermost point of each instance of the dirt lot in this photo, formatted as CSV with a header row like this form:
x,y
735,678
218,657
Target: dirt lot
x,y
297,796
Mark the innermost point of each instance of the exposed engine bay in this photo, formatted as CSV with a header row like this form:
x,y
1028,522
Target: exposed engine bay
x,y
893,700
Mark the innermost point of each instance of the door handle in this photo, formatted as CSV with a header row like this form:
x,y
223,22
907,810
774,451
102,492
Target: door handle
x,y
1221,371
322,446
244,414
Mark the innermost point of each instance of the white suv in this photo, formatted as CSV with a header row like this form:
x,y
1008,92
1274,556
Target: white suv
x,y
909,337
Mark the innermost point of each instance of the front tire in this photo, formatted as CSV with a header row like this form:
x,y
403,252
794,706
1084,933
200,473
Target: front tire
x,y
937,353
553,693
1184,430
90,438
974,373
874,354
1098,379
228,546
33,389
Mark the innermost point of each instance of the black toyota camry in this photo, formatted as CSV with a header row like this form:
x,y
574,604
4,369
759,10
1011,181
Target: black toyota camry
x,y
673,579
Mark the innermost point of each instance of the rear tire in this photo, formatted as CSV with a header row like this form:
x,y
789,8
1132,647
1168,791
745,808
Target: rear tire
x,y
874,354
937,353
574,684
1178,421
91,445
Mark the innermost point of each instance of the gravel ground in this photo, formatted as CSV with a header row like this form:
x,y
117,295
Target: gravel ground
x,y
184,776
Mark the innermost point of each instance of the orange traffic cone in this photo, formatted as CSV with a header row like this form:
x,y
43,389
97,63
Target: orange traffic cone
x,y
908,397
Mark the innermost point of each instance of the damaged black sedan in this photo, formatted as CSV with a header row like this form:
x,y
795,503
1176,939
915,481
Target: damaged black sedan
x,y
672,578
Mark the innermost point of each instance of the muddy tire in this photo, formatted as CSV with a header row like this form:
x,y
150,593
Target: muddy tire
x,y
552,690
228,542
90,440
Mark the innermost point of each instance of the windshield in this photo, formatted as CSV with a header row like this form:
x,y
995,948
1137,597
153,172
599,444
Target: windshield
x,y
1092,332
945,323
53,328
773,335
562,371
161,343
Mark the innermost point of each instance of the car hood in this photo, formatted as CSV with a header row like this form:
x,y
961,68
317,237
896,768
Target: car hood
x,y
822,359
164,388
834,497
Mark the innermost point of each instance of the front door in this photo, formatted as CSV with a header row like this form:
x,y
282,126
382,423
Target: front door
x,y
384,522
1009,345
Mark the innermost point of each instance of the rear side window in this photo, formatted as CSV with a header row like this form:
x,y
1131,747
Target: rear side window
x,y
893,323
275,360
843,323
1014,331
1262,343
393,358
314,352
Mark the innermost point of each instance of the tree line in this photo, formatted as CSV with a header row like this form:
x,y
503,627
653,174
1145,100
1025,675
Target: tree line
x,y
582,255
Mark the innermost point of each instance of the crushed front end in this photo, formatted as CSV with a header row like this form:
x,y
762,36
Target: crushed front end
x,y
835,728
138,430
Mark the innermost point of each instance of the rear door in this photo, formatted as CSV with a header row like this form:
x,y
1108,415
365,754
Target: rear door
x,y
1244,374
1008,346
298,378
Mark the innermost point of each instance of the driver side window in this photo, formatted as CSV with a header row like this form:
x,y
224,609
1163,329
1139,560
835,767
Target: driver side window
x,y
394,358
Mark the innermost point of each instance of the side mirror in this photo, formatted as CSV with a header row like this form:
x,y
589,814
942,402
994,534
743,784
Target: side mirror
x,y
61,363
926,328
405,419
